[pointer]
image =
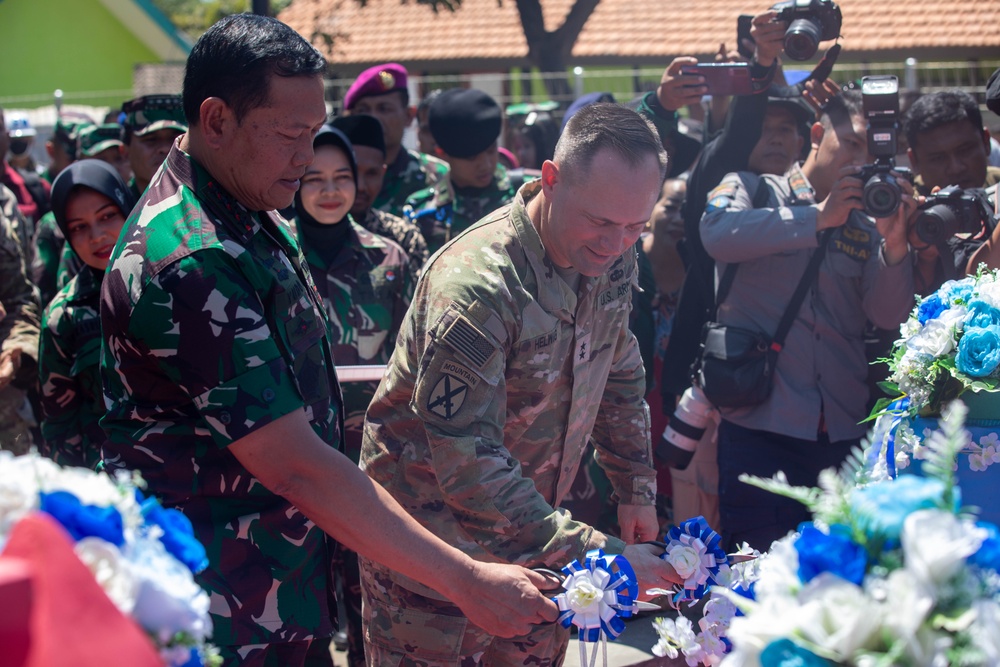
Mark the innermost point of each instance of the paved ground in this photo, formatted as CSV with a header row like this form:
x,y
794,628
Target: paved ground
x,y
632,649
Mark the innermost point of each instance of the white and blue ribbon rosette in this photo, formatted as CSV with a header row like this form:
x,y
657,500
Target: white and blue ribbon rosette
x,y
882,453
695,552
598,594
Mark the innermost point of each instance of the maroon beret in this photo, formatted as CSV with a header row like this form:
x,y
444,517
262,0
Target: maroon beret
x,y
377,80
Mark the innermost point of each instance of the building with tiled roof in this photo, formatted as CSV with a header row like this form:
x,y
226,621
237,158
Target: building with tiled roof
x,y
486,35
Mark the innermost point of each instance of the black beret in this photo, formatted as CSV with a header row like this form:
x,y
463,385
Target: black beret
x,y
993,93
362,130
464,122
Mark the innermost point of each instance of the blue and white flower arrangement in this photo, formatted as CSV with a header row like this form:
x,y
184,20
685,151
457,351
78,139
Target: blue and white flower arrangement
x,y
142,555
948,346
888,573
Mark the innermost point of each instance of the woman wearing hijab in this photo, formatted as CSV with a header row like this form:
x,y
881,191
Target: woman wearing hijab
x,y
364,281
90,202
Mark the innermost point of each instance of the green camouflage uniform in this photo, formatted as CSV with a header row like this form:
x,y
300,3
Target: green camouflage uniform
x,y
410,172
212,328
403,232
367,290
18,327
443,211
69,357
501,376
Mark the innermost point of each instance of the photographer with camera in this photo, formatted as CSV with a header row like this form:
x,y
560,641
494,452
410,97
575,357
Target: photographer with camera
x,y
988,252
774,228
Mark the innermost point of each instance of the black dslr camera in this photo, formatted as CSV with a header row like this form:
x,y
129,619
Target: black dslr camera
x,y
951,211
880,100
809,23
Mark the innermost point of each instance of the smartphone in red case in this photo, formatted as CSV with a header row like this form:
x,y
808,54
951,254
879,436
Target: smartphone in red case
x,y
723,78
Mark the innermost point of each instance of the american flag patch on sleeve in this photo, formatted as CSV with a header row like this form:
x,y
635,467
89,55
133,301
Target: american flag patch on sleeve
x,y
465,338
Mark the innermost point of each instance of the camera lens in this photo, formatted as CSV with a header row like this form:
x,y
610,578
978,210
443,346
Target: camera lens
x,y
936,224
802,39
881,196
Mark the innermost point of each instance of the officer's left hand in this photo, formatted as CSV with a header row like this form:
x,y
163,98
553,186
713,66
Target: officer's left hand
x,y
894,228
638,523
10,363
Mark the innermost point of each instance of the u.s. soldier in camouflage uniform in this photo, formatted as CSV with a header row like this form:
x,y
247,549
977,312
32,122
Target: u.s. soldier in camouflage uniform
x,y
90,201
364,281
18,331
218,372
515,354
466,126
381,91
368,139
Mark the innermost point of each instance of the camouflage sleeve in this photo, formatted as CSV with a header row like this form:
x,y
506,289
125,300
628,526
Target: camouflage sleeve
x,y
460,394
203,323
69,266
49,243
62,397
19,328
621,432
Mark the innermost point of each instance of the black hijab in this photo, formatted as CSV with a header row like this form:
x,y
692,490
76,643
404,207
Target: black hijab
x,y
96,175
326,240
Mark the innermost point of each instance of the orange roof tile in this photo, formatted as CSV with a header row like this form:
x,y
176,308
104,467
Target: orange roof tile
x,y
485,33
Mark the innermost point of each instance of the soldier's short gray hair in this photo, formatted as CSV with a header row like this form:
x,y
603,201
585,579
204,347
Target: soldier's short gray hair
x,y
607,126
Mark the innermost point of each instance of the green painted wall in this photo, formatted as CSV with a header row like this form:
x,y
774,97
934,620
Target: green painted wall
x,y
75,45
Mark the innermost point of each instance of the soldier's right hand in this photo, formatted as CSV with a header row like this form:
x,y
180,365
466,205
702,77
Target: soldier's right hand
x,y
651,571
844,197
505,600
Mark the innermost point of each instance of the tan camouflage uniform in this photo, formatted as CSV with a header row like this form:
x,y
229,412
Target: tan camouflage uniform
x,y
500,378
18,327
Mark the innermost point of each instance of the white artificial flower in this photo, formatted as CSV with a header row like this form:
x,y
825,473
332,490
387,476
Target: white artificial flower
x,y
110,570
779,570
936,544
936,339
837,616
685,560
989,291
984,632
907,602
770,619
168,601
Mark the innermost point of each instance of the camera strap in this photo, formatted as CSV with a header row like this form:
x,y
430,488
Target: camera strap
x,y
808,277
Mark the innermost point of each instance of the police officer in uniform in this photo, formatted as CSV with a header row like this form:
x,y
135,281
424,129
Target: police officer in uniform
x,y
771,226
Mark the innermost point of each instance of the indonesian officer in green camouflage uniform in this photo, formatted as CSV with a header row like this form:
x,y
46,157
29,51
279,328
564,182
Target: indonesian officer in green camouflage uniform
x,y
466,125
365,284
18,332
365,134
90,201
151,124
515,354
381,91
218,371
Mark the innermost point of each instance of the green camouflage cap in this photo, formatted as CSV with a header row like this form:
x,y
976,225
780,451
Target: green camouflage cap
x,y
96,138
151,113
67,129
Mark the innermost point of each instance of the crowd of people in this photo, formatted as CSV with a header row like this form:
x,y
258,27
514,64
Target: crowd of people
x,y
182,283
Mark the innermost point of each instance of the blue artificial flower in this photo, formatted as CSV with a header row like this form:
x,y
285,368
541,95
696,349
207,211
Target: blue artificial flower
x,y
178,535
835,553
194,660
979,352
988,556
786,653
981,315
881,508
930,308
81,520
957,291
